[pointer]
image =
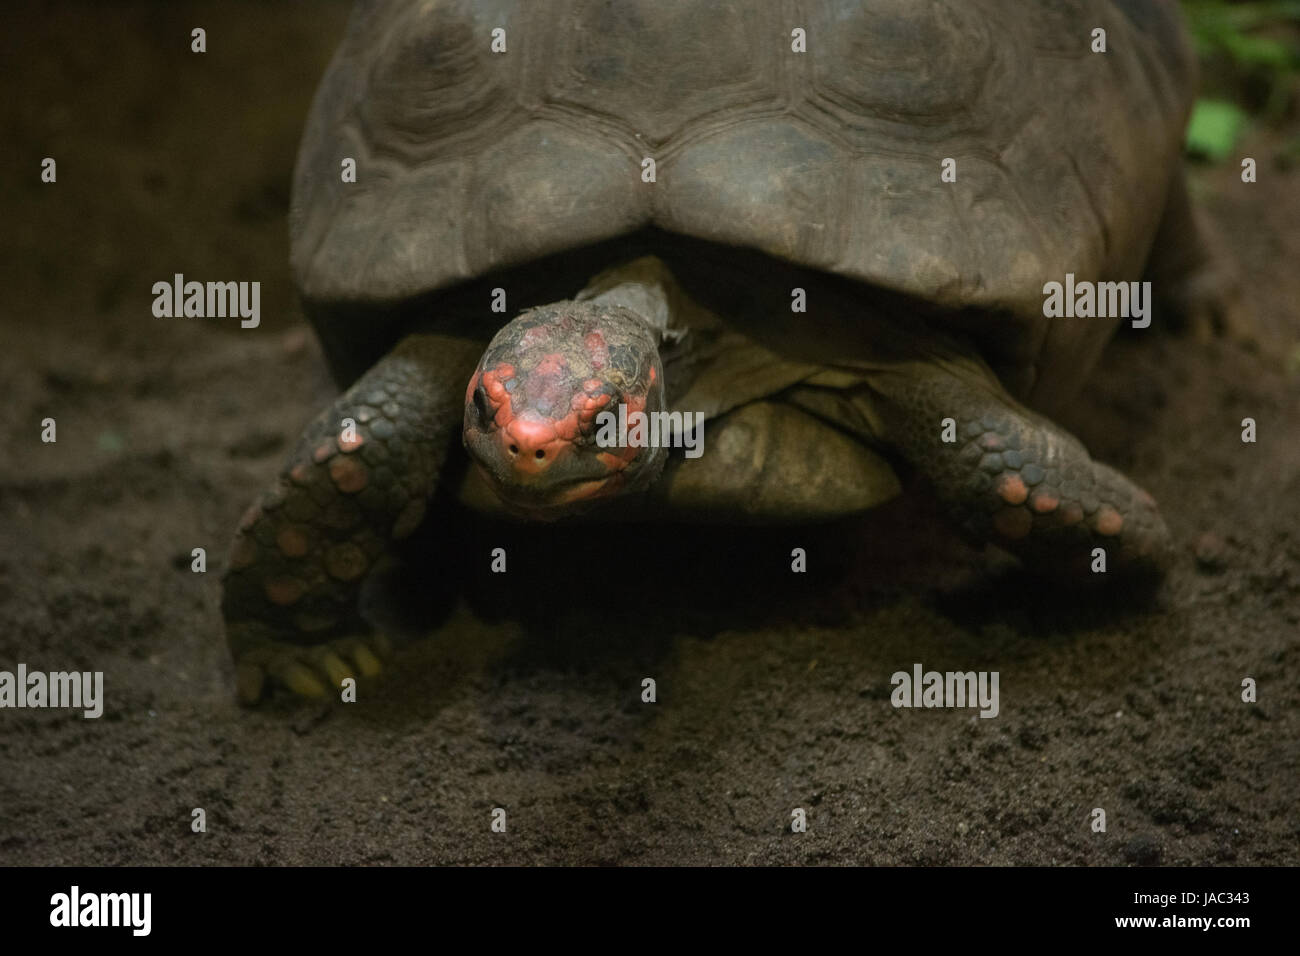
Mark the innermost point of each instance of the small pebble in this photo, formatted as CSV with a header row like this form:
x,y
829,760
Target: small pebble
x,y
1143,850
1211,552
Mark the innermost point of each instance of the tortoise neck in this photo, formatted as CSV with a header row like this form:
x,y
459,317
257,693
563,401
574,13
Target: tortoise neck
x,y
645,287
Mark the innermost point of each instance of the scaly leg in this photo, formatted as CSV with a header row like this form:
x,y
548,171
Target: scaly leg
x,y
303,550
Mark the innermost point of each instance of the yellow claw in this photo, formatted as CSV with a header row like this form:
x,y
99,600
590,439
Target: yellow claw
x,y
337,670
249,680
302,681
366,662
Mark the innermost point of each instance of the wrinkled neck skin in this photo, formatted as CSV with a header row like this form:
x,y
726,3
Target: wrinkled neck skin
x,y
535,406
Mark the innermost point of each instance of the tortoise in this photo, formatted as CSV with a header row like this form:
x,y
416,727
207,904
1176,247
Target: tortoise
x,y
826,235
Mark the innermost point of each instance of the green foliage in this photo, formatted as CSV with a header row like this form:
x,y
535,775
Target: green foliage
x,y
1250,55
1209,18
1253,36
1213,129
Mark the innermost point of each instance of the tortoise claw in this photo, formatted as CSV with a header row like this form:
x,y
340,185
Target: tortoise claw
x,y
307,672
334,668
366,661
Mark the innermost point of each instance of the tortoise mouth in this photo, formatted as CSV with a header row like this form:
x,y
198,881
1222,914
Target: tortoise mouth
x,y
555,499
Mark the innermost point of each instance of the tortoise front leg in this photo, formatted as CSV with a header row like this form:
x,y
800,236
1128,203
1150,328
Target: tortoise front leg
x,y
1013,477
1193,274
358,480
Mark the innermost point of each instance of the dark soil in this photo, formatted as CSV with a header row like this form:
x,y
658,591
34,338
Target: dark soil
x,y
773,689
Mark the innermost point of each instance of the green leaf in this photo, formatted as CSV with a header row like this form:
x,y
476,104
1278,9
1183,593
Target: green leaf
x,y
1260,51
1214,129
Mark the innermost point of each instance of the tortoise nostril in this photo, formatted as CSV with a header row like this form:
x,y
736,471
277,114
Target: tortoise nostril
x,y
531,445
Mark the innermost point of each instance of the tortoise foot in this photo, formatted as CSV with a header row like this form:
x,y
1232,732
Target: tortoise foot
x,y
1211,303
1196,278
265,664
1014,478
1031,488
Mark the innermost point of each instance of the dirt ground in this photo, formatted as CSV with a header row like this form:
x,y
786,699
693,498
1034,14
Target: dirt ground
x,y
773,690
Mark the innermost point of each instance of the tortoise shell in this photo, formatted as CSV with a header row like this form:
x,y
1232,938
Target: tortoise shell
x,y
470,161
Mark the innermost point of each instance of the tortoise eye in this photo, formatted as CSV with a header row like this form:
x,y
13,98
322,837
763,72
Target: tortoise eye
x,y
481,403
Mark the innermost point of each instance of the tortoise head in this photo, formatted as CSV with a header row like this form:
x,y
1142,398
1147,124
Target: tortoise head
x,y
538,409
